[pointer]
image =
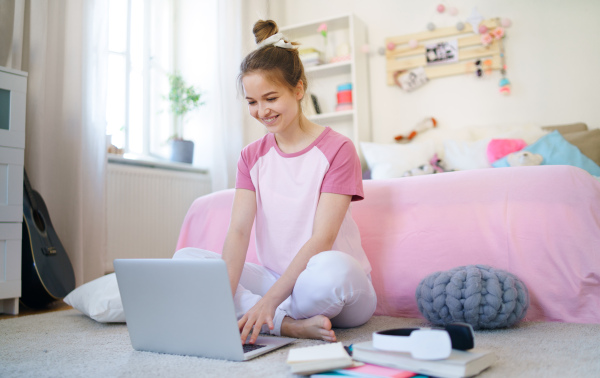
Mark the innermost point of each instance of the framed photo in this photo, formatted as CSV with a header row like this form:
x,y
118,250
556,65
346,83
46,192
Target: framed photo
x,y
442,52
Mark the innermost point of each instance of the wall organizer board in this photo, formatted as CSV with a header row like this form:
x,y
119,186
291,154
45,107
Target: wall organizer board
x,y
445,51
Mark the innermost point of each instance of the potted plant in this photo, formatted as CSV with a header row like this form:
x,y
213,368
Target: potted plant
x,y
183,99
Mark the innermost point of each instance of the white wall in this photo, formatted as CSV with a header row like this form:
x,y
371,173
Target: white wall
x,y
552,55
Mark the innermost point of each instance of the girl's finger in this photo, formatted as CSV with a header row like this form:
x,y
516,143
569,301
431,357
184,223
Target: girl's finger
x,y
256,331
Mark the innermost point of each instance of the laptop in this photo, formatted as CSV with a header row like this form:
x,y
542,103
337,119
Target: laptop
x,y
184,307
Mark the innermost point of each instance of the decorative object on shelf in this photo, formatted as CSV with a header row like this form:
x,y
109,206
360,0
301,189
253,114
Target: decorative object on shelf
x,y
412,79
327,48
344,97
441,8
442,52
482,66
426,124
183,99
489,36
453,11
475,19
453,52
478,70
460,26
504,82
430,26
342,53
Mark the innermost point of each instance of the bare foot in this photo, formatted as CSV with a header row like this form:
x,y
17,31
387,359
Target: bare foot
x,y
318,327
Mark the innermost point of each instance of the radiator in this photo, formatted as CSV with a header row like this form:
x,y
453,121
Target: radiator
x,y
145,209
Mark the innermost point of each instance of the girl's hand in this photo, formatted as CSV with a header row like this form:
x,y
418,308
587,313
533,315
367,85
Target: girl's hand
x,y
252,321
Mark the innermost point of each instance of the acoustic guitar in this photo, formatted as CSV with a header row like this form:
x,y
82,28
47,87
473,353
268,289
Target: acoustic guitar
x,y
46,272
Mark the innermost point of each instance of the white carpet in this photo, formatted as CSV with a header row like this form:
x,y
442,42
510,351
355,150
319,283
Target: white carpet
x,y
68,344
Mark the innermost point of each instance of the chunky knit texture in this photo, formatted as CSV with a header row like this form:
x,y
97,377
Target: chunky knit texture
x,y
476,294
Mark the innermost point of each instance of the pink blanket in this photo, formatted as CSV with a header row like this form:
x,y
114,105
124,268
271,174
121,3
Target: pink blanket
x,y
540,223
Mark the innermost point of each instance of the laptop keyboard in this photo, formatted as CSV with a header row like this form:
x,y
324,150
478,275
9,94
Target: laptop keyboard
x,y
251,347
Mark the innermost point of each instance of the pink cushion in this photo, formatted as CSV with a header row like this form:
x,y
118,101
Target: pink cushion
x,y
540,223
499,148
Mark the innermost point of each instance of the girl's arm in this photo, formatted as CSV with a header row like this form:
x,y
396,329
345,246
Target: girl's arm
x,y
328,219
238,234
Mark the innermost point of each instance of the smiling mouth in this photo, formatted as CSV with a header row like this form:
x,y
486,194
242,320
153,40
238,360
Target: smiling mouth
x,y
269,121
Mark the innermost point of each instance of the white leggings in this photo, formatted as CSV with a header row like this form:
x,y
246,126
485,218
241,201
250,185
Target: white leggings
x,y
333,284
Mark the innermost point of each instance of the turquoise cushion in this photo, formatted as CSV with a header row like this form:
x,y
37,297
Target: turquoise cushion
x,y
557,151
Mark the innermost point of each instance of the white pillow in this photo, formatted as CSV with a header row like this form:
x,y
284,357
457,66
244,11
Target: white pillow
x,y
439,135
463,155
391,160
99,299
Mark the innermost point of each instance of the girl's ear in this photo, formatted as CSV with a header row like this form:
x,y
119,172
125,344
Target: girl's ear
x,y
299,90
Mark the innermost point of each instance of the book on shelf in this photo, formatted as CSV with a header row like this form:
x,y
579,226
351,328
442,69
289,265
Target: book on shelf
x,y
310,57
366,371
460,363
316,103
318,358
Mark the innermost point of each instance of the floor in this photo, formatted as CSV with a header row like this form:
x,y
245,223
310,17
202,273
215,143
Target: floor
x,y
24,310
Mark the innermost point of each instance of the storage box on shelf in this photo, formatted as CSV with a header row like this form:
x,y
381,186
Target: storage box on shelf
x,y
346,35
13,88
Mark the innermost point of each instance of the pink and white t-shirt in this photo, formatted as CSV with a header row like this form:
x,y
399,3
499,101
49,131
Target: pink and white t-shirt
x,y
288,187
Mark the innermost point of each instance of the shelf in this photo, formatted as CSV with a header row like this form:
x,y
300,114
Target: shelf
x,y
310,28
324,79
345,115
329,69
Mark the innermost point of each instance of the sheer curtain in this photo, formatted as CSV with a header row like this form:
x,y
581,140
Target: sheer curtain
x,y
65,152
228,136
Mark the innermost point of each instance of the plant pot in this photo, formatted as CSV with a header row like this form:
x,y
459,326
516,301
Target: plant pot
x,y
182,151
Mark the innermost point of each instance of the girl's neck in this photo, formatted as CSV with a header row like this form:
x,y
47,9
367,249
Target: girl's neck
x,y
300,137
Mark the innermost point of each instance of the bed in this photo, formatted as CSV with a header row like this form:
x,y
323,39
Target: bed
x,y
541,223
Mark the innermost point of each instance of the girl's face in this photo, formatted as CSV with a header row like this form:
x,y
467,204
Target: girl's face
x,y
272,104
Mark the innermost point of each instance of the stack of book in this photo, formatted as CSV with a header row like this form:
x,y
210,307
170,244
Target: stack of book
x,y
461,363
319,358
310,56
331,360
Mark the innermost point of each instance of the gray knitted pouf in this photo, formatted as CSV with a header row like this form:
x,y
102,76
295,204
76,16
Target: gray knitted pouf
x,y
476,294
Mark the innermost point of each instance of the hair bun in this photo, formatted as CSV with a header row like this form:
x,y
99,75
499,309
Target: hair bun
x,y
264,29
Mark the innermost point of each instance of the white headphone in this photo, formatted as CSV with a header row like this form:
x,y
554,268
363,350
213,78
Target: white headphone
x,y
426,343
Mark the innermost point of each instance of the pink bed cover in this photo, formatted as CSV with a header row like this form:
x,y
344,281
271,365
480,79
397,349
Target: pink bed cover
x,y
540,223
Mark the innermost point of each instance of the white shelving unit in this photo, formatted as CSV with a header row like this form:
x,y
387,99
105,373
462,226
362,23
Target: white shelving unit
x,y
323,79
13,88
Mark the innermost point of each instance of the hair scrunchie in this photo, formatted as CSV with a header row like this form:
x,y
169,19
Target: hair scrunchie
x,y
276,40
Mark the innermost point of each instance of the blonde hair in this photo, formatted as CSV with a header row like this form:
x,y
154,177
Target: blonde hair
x,y
281,65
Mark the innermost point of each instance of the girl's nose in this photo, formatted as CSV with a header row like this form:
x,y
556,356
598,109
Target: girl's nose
x,y
263,111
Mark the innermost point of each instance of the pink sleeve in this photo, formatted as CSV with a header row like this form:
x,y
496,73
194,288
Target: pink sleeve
x,y
345,174
242,179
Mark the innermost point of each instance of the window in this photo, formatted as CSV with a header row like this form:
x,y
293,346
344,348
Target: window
x,y
140,55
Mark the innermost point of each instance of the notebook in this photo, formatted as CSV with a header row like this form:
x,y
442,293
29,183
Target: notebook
x,y
184,307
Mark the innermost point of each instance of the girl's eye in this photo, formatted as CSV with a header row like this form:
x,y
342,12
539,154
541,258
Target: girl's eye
x,y
272,99
251,102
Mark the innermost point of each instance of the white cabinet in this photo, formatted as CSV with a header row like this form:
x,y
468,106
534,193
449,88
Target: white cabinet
x,y
13,89
344,34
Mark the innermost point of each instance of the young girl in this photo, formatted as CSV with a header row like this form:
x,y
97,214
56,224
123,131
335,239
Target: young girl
x,y
296,183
